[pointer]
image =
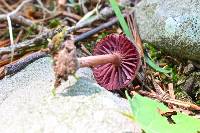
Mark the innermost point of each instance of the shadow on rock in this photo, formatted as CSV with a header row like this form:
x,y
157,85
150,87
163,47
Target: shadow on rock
x,y
83,86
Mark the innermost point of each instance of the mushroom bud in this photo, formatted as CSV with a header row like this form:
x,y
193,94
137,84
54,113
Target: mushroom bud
x,y
115,61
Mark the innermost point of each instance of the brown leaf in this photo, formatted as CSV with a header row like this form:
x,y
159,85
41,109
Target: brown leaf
x,y
4,43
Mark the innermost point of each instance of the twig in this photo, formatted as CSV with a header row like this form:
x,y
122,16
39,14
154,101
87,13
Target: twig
x,y
16,10
171,93
24,21
16,4
70,20
3,10
7,5
187,105
106,12
149,94
4,42
21,64
157,87
19,36
19,19
11,36
171,90
64,13
6,59
33,57
84,49
141,78
32,42
10,25
71,15
96,30
134,30
43,8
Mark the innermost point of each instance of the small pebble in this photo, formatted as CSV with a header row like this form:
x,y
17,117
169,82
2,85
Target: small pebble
x,y
188,69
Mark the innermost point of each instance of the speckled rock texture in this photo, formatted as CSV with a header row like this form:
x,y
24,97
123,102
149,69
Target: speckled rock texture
x,y
80,106
172,25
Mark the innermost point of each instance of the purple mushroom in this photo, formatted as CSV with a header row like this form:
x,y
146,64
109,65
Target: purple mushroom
x,y
120,72
115,61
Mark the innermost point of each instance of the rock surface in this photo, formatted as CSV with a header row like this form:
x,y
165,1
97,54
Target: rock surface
x,y
172,25
27,104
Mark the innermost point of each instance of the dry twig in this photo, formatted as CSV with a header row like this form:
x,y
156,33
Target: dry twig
x,y
4,16
175,102
7,70
106,12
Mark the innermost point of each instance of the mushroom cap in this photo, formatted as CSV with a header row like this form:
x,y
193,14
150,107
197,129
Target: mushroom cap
x,y
111,76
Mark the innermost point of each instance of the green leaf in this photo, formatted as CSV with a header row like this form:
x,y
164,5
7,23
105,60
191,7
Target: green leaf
x,y
155,66
121,19
146,113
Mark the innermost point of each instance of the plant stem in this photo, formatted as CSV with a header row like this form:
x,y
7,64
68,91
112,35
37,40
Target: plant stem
x,y
99,60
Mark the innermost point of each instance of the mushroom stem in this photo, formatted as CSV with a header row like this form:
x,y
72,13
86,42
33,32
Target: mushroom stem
x,y
99,60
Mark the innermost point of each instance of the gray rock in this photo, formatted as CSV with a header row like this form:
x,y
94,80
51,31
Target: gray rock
x,y
171,25
188,69
189,86
27,104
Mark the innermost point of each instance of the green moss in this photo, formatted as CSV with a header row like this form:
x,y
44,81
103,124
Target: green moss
x,y
102,35
31,30
91,44
198,102
154,53
174,77
54,23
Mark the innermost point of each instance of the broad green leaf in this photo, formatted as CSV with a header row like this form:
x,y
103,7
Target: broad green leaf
x,y
120,17
155,66
146,113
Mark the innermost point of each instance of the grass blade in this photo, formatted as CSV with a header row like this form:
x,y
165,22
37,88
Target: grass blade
x,y
121,19
155,66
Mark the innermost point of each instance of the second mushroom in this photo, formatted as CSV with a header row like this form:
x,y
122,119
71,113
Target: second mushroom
x,y
115,61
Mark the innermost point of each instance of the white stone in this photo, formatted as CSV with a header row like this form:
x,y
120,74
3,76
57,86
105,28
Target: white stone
x,y
28,106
